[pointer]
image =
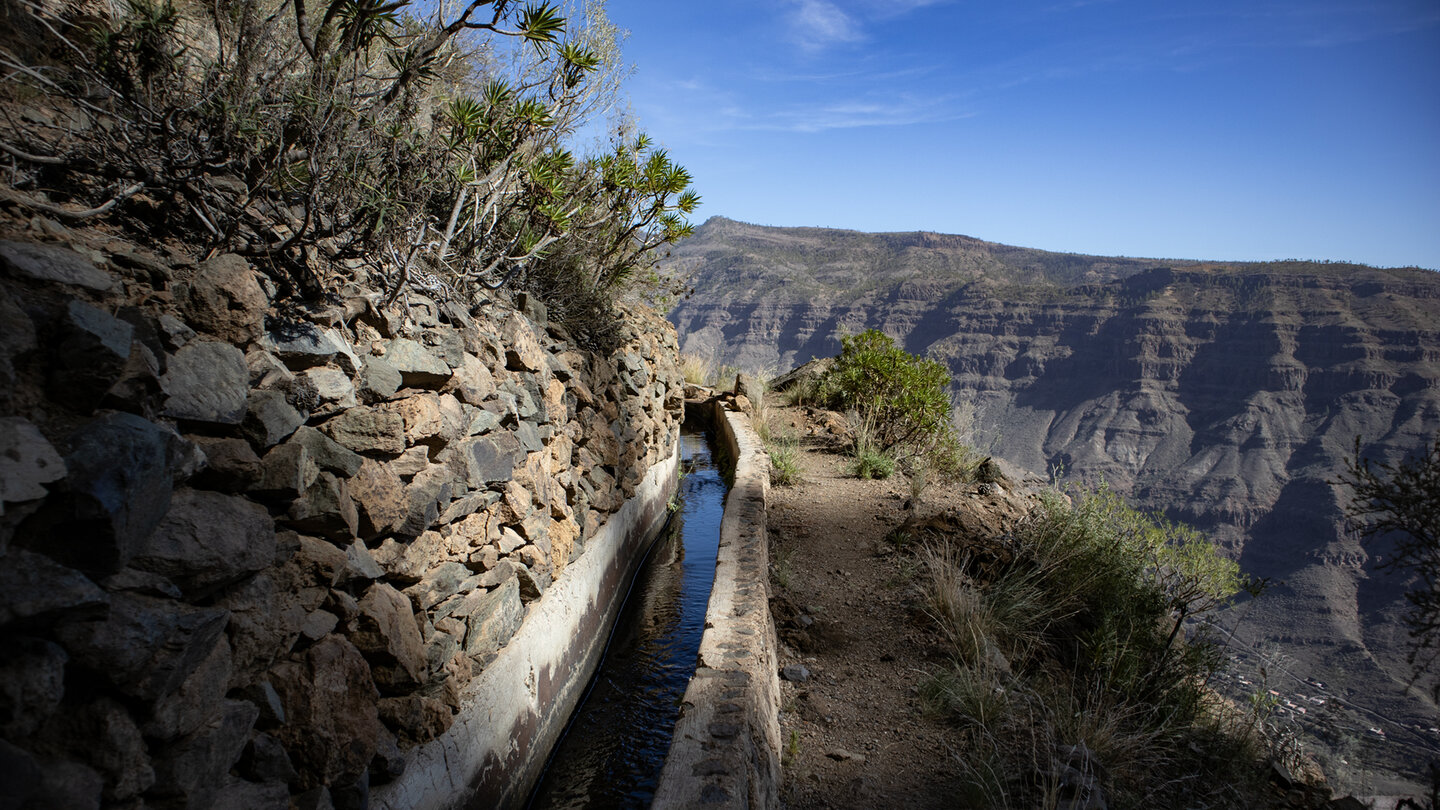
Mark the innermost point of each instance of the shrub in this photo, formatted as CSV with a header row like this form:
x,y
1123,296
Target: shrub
x,y
901,395
694,369
427,142
1073,623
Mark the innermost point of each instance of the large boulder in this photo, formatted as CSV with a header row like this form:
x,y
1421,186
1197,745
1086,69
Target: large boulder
x,y
225,300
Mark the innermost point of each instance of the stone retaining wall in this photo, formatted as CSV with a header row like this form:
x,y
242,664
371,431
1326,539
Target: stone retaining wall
x,y
255,553
726,749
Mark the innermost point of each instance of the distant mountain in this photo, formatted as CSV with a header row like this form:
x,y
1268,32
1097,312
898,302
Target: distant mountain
x,y
1223,394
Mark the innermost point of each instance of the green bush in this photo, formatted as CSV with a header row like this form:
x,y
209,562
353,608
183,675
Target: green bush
x,y
784,463
902,396
871,463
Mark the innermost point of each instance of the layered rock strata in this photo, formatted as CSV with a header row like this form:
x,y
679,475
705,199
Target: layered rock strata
x,y
251,552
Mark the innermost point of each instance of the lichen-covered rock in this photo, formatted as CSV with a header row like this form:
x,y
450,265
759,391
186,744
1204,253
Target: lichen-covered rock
x,y
379,380
301,345
206,381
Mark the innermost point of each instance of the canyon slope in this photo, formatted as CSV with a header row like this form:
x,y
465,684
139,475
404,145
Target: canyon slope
x,y
1225,395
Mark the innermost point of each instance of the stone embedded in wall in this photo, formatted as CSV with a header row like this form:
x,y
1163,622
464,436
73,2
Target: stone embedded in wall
x,y
286,472
32,683
146,646
88,355
418,367
368,431
269,418
327,453
206,541
491,618
117,490
387,635
332,724
379,380
27,462
54,264
192,704
379,497
225,300
194,768
326,509
230,464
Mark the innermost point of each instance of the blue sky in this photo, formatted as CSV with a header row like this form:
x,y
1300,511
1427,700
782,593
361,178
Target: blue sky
x,y
1210,129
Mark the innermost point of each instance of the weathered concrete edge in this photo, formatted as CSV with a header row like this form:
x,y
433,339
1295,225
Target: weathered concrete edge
x,y
726,748
513,713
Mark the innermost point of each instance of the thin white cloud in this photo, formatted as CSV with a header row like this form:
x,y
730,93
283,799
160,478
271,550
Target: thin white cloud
x,y
818,24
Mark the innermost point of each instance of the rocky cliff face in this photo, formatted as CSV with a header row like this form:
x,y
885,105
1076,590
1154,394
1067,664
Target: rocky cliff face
x,y
1224,395
250,551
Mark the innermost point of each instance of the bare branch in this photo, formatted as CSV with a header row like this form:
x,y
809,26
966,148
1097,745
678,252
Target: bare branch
x,y
16,197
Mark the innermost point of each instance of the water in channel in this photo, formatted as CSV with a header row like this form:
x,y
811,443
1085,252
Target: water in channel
x,y
612,753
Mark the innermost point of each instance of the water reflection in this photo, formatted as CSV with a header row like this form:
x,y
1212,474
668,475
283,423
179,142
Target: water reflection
x,y
613,751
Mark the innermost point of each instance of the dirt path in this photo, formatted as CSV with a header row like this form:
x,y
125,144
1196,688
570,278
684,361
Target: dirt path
x,y
848,610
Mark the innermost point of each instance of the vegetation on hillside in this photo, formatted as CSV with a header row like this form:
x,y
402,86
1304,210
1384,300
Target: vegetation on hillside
x,y
1067,646
429,145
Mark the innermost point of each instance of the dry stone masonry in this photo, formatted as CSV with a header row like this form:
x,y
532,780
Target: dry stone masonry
x,y
250,553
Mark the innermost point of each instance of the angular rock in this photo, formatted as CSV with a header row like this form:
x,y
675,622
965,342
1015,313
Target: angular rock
x,y
207,541
118,489
32,683
389,763
418,368
286,472
444,344
231,464
366,430
240,794
490,459
428,495
225,300
325,509
54,264
193,769
301,345
67,785
522,350
146,647
89,356
190,706
267,700
318,624
422,417
27,462
411,461
329,702
327,452
440,583
379,380
386,633
265,760
264,622
472,382
269,418
109,739
379,497
414,718
491,618
208,382
360,563
332,386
